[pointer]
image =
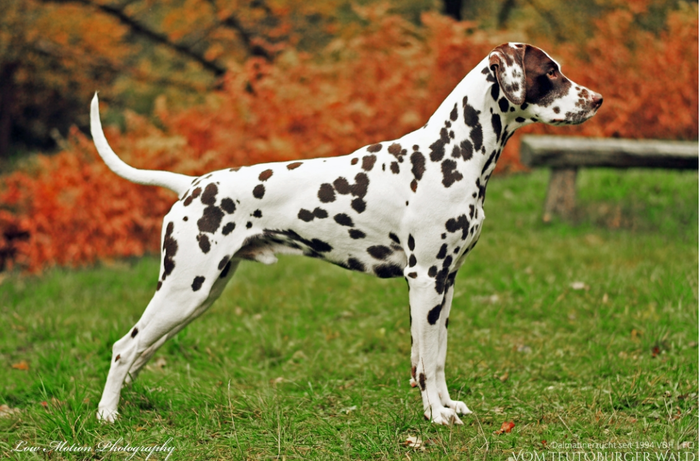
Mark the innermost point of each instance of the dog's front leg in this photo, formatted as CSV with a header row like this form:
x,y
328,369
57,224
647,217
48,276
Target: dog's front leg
x,y
426,321
458,406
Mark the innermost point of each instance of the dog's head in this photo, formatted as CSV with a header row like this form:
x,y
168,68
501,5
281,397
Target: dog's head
x,y
533,81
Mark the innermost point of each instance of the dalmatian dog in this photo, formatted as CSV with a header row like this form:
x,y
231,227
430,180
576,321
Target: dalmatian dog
x,y
411,207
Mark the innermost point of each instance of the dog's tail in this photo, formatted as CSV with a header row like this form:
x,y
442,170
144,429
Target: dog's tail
x,y
178,183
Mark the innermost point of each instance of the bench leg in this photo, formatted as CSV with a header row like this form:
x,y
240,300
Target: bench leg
x,y
561,194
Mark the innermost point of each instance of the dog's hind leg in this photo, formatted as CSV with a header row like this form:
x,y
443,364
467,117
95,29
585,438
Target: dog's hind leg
x,y
146,355
173,306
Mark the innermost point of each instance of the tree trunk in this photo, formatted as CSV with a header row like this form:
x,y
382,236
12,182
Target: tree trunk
x,y
453,8
504,13
7,99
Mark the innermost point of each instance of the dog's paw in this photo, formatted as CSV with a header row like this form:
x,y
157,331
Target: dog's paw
x,y
443,415
459,407
413,382
107,416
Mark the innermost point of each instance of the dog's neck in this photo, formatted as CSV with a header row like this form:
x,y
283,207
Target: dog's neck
x,y
475,115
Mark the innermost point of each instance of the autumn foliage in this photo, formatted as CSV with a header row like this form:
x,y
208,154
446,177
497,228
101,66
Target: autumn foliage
x,y
378,83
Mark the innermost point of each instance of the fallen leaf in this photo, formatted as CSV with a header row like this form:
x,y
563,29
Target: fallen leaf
x,y
579,286
655,351
505,428
23,365
349,409
6,411
276,381
414,442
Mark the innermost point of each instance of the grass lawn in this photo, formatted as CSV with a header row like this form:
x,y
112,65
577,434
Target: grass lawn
x,y
584,333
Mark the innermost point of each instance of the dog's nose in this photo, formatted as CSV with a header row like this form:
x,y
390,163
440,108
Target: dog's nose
x,y
597,100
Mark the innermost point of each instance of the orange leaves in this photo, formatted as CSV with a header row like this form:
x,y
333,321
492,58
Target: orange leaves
x,y
506,427
23,365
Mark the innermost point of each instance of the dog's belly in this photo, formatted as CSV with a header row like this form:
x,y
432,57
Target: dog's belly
x,y
373,256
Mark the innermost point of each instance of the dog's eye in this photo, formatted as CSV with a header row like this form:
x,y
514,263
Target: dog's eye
x,y
552,74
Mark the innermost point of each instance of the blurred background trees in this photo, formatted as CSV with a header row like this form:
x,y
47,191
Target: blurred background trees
x,y
55,53
197,85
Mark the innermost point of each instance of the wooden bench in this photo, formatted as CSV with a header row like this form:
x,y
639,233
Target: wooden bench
x,y
565,155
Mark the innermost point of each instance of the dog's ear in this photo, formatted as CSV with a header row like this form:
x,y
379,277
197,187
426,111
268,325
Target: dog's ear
x,y
507,62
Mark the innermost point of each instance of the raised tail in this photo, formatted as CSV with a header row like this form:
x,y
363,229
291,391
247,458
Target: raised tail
x,y
178,183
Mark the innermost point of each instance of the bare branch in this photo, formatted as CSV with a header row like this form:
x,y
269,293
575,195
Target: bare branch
x,y
155,36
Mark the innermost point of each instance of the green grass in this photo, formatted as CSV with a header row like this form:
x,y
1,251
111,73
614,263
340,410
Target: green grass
x,y
303,360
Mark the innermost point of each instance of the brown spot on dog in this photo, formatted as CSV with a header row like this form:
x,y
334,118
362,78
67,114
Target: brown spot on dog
x,y
355,265
418,165
228,205
359,189
293,165
210,220
356,234
434,314
374,148
388,271
223,262
197,283
170,248
204,244
209,195
380,252
134,332
358,205
449,173
265,175
326,194
343,220
228,228
368,162
453,225
421,381
259,191
342,186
